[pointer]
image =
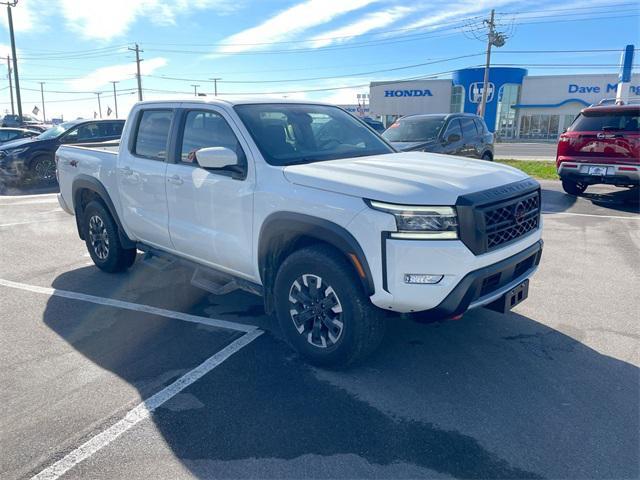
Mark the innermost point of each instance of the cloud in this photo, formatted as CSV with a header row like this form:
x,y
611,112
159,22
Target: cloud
x,y
24,19
106,19
369,22
103,75
290,22
456,10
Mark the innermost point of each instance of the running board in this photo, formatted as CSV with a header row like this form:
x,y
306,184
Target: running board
x,y
206,278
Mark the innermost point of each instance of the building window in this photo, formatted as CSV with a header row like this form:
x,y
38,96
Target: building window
x,y
457,99
540,127
506,116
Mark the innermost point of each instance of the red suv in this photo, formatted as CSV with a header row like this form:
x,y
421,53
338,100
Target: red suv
x,y
602,145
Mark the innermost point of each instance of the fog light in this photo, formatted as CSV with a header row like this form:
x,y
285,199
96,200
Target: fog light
x,y
422,278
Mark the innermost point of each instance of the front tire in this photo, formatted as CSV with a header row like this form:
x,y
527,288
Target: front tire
x,y
322,309
43,169
573,188
487,156
103,241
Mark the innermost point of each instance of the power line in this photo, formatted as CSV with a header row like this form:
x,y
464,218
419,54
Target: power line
x,y
309,79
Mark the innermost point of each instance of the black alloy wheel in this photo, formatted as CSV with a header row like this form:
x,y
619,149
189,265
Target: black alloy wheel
x,y
316,311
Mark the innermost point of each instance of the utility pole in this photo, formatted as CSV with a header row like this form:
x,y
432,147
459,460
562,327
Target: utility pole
x,y
493,39
13,112
215,85
44,115
195,89
115,97
99,106
138,60
9,5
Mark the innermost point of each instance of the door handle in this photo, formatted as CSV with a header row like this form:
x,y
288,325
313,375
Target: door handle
x,y
175,180
126,171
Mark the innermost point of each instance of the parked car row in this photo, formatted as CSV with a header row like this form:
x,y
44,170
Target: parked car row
x,y
32,158
25,121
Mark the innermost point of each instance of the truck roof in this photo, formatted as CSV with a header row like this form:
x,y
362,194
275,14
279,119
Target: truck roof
x,y
231,101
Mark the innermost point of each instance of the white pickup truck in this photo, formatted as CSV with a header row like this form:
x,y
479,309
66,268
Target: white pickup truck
x,y
306,205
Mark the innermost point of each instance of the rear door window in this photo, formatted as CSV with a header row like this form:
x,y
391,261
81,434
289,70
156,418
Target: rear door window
x,y
622,121
152,135
480,126
453,127
468,128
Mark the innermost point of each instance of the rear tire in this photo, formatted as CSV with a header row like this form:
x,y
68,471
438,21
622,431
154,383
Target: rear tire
x,y
103,241
322,309
487,156
574,188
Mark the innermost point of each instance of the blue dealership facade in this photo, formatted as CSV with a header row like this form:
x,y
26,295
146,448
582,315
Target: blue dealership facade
x,y
519,106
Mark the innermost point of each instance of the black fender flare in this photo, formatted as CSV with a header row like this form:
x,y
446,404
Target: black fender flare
x,y
284,227
85,182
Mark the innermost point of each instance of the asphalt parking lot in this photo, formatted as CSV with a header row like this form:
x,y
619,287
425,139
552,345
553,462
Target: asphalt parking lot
x,y
140,375
526,151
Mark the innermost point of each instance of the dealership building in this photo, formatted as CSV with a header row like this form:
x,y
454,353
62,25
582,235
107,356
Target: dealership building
x,y
519,106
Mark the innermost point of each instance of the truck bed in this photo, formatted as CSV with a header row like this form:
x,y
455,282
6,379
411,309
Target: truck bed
x,y
109,147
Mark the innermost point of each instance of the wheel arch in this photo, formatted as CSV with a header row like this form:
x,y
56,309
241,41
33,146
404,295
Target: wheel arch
x,y
85,189
285,232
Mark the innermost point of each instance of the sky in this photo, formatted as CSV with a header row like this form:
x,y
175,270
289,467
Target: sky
x,y
325,50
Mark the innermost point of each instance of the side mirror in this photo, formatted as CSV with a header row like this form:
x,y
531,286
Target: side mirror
x,y
453,138
216,158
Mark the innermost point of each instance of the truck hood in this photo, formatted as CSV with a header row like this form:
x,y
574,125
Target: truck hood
x,y
415,178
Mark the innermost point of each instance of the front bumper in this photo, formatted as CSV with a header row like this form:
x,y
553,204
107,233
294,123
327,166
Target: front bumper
x,y
469,280
618,174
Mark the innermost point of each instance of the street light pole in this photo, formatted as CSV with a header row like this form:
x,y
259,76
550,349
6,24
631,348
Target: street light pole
x,y
115,97
9,5
44,114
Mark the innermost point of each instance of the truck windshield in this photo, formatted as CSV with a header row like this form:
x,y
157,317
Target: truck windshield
x,y
414,129
289,134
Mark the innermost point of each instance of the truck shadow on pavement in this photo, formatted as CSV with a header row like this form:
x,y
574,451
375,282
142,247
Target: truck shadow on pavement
x,y
488,396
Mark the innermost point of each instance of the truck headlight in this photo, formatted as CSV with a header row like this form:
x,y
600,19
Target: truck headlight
x,y
421,222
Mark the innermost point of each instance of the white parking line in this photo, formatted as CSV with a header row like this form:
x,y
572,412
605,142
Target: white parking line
x,y
110,302
35,201
36,195
31,222
143,410
621,217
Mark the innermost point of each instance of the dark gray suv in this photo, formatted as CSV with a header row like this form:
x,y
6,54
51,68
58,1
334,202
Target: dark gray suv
x,y
462,134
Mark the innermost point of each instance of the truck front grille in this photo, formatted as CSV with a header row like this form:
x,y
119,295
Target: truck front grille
x,y
505,223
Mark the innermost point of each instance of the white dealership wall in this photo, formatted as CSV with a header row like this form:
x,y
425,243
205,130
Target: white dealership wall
x,y
568,94
410,97
548,95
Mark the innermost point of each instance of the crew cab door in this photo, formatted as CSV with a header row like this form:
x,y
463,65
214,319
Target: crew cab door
x,y
141,176
211,211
